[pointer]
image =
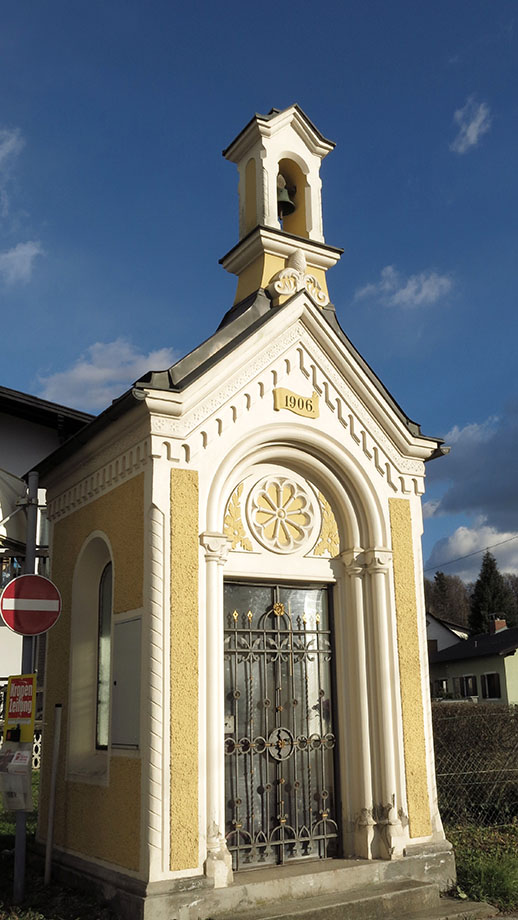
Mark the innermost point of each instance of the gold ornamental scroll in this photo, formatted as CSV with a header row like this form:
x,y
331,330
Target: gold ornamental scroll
x,y
301,405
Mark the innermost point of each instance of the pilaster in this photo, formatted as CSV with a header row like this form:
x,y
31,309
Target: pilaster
x,y
364,823
390,840
218,864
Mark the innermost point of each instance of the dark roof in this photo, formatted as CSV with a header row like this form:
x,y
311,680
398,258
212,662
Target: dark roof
x,y
97,423
503,642
449,624
34,409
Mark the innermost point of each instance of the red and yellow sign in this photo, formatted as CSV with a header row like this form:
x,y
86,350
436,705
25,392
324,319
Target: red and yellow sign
x,y
20,707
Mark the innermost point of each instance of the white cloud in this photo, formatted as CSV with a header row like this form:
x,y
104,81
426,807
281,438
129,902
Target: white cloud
x,y
11,143
480,472
464,542
473,121
478,479
430,507
396,290
16,263
104,372
473,434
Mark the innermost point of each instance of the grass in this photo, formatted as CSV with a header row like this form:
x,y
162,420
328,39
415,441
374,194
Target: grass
x,y
487,864
40,903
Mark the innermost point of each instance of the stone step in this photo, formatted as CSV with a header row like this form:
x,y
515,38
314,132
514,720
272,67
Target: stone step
x,y
453,909
392,900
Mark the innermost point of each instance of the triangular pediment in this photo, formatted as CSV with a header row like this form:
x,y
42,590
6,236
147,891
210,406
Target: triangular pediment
x,y
291,354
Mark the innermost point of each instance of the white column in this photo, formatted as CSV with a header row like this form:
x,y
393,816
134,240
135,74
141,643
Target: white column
x,y
218,864
388,824
269,169
359,703
314,204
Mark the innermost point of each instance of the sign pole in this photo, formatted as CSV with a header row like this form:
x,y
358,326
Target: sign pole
x,y
52,798
20,840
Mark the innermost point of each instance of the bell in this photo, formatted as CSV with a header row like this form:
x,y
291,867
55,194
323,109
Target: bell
x,y
285,205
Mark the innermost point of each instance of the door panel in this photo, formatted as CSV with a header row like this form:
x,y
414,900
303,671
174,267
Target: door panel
x,y
279,740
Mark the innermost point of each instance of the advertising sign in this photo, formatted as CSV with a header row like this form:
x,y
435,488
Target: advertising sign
x,y
16,750
20,708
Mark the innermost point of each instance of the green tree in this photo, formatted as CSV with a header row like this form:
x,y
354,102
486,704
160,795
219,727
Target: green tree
x,y
491,595
447,598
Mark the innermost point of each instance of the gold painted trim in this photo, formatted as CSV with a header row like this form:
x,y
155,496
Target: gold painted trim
x,y
233,527
410,668
328,540
306,406
184,670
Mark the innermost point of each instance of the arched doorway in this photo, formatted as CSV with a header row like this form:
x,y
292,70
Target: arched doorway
x,y
281,797
339,543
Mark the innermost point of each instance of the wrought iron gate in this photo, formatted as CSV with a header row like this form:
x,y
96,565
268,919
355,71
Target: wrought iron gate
x,y
279,740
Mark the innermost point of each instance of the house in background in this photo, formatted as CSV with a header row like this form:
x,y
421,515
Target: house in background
x,y
443,633
30,428
483,668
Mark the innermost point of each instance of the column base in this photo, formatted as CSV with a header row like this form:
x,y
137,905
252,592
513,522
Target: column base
x,y
390,833
364,834
218,865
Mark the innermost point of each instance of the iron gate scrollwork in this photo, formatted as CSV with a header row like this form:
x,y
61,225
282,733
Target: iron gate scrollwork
x,y
279,740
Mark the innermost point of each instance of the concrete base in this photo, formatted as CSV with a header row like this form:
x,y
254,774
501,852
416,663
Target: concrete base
x,y
264,890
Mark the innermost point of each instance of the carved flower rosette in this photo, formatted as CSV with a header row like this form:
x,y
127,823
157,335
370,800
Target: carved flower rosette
x,y
281,514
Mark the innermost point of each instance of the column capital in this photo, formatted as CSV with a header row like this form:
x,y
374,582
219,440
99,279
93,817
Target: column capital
x,y
378,560
216,546
353,560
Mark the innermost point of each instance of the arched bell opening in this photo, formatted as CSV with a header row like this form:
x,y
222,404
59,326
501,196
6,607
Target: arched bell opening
x,y
294,220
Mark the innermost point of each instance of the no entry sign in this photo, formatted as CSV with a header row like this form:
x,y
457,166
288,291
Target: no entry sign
x,y
30,605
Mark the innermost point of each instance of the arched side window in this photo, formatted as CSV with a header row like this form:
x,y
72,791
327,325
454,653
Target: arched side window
x,y
104,656
90,661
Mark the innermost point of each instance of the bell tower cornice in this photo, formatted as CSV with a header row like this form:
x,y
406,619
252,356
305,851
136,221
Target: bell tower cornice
x,y
280,205
271,124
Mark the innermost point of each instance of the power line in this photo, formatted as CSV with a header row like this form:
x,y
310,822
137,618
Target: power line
x,y
467,556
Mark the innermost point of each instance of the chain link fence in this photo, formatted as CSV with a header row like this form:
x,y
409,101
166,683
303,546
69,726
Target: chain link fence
x,y
476,762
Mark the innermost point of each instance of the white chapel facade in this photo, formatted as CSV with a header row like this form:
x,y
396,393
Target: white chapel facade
x,y
242,655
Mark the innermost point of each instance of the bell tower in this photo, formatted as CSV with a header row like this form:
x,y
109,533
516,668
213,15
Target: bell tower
x,y
281,245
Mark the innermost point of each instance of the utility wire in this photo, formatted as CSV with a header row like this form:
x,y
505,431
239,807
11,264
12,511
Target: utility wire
x,y
467,556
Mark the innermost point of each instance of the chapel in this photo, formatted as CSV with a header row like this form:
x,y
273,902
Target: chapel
x,y
241,656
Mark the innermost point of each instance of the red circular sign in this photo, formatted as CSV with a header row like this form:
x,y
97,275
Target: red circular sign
x,y
30,605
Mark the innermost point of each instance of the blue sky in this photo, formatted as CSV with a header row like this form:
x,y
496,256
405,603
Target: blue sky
x,y
115,206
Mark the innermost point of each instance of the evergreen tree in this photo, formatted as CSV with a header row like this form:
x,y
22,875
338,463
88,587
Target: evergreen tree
x,y
491,595
447,598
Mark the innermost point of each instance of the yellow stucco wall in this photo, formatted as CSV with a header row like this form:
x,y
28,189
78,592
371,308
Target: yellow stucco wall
x,y
410,668
258,274
91,819
113,835
184,669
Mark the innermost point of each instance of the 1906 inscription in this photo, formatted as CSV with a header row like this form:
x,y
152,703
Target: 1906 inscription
x,y
294,402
